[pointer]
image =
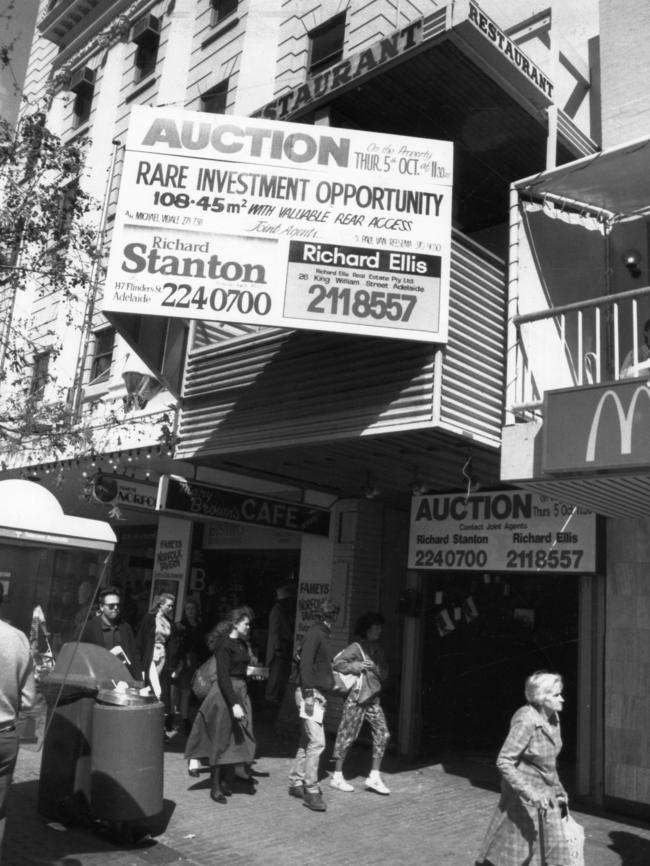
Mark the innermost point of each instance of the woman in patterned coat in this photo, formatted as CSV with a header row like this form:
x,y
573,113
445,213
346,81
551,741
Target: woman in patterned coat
x,y
530,783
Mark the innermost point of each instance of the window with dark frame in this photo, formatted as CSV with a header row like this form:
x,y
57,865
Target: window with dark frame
x,y
222,9
326,43
40,375
82,84
214,101
102,355
146,35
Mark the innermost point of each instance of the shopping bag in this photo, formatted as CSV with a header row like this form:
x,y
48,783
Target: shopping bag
x,y
574,835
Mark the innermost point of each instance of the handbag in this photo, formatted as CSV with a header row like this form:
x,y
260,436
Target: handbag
x,y
204,678
574,836
345,683
369,686
369,683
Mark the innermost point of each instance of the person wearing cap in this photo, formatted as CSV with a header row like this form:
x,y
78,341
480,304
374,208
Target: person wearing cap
x,y
17,692
315,680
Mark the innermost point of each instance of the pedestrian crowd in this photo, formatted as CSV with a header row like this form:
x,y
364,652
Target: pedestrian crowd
x,y
531,822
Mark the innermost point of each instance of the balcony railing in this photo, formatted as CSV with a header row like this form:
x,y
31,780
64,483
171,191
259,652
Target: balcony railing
x,y
583,343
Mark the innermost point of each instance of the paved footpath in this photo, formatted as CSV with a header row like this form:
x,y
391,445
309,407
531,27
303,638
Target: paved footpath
x,y
436,814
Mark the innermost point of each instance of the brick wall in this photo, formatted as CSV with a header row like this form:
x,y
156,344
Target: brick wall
x,y
625,68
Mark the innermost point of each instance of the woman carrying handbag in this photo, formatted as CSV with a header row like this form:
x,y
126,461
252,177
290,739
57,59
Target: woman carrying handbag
x,y
366,658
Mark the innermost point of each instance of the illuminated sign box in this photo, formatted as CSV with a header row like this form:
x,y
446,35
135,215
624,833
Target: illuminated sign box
x,y
224,218
209,502
597,427
500,530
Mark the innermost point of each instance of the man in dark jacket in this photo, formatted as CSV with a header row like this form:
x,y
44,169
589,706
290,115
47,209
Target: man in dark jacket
x,y
110,631
315,681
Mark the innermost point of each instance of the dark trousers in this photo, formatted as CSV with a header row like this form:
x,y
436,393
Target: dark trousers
x,y
8,755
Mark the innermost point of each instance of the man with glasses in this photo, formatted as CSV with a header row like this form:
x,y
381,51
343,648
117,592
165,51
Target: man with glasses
x,y
110,631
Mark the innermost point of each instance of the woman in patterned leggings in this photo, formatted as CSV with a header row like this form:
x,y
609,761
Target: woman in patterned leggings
x,y
363,655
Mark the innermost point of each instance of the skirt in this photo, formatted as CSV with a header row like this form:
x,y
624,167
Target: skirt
x,y
217,737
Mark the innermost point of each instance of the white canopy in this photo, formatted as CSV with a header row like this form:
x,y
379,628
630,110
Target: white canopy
x,y
616,181
30,514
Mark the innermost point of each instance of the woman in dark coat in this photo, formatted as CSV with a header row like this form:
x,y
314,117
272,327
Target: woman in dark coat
x,y
222,732
530,783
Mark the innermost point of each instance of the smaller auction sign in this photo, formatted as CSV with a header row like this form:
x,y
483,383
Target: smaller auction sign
x,y
241,219
501,530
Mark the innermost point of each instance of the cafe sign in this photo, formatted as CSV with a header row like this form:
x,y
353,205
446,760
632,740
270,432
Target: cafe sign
x,y
209,502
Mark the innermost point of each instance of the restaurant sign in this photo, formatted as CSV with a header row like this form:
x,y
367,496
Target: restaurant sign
x,y
500,530
597,427
209,502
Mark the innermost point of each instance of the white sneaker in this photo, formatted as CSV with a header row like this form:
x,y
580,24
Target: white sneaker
x,y
340,784
376,784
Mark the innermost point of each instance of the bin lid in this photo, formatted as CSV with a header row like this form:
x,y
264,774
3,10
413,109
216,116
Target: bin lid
x,y
31,514
89,666
129,698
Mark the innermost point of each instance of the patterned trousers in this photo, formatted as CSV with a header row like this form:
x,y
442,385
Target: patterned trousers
x,y
351,720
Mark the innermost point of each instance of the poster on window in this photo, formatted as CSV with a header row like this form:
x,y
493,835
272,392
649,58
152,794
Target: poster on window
x,y
171,558
265,222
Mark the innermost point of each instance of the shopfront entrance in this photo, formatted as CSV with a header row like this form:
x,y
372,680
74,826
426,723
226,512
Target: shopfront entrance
x,y
246,577
483,635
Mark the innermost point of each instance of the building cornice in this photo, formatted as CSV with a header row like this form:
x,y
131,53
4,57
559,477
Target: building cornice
x,y
82,48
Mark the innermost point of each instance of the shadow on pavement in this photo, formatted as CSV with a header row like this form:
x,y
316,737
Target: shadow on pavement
x,y
632,849
33,840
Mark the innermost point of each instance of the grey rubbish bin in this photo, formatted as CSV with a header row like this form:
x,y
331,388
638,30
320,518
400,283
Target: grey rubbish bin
x,y
70,689
127,758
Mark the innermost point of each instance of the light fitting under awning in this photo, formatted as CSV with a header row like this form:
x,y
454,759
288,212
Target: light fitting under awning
x,y
616,181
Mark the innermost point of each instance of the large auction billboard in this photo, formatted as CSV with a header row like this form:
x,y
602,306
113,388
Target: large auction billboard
x,y
239,219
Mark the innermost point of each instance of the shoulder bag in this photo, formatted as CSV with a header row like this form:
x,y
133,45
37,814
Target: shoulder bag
x,y
345,683
369,683
204,678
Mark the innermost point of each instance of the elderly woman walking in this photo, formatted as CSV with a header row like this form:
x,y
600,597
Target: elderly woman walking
x,y
531,791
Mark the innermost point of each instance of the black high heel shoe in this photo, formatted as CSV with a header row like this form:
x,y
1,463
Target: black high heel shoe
x,y
218,797
193,773
226,790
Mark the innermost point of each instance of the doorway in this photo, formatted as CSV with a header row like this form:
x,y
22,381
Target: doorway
x,y
482,636
246,577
